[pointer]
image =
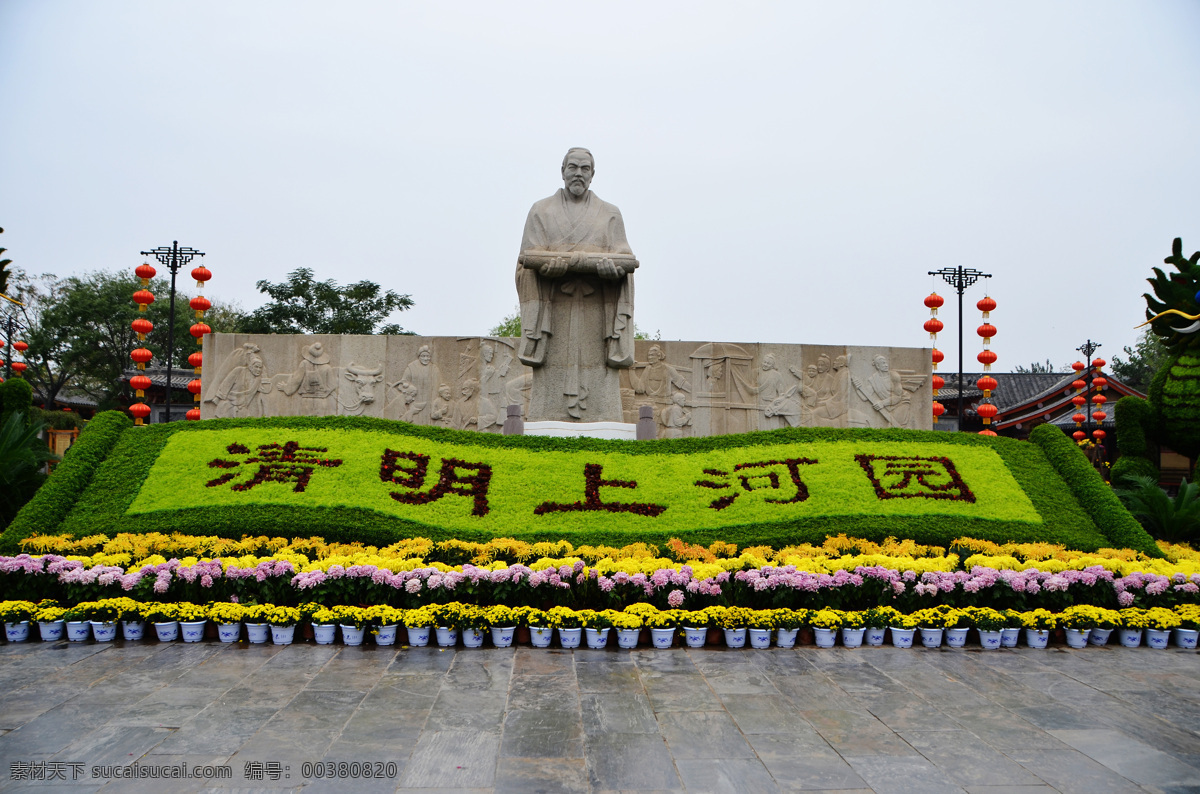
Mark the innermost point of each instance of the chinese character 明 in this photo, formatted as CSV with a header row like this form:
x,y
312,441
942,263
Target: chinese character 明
x,y
593,477
450,481
286,463
759,476
914,477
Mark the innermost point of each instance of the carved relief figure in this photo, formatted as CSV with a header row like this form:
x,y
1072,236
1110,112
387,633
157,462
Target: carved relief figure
x,y
492,372
421,374
658,381
886,396
315,378
363,381
408,394
776,395
676,417
465,415
516,392
575,284
241,385
442,406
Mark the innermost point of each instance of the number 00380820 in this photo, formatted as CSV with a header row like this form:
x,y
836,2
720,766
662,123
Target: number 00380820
x,y
349,769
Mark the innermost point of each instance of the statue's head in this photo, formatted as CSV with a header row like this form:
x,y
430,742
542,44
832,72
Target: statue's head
x,y
256,365
823,363
469,387
425,355
881,363
444,391
678,398
487,352
655,354
578,168
768,362
811,370
839,363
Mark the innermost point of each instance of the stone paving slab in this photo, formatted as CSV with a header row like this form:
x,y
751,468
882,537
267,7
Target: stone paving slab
x,y
329,718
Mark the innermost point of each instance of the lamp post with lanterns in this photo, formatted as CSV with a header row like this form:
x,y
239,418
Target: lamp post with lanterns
x,y
1084,399
174,258
959,278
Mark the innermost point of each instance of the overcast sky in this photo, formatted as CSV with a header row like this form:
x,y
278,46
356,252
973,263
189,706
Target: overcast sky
x,y
788,172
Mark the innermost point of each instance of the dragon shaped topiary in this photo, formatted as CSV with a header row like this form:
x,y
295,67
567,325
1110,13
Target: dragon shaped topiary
x,y
1171,415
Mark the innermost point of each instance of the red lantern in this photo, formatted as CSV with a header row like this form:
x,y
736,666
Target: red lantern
x,y
987,330
142,326
145,272
196,359
938,410
140,410
1,344
201,274
987,383
1099,399
1078,385
142,356
1099,434
987,358
140,383
933,325
193,415
1079,366
1079,419
1099,416
934,302
194,386
1079,400
987,306
938,357
938,383
200,329
1099,381
19,367
987,432
143,298
200,304
1099,363
987,411
20,346
1079,435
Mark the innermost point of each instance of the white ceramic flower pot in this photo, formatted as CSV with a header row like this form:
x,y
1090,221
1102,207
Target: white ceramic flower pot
x,y
1077,638
853,638
662,638
78,630
502,636
1098,637
786,638
446,637
1037,638
759,638
193,630
540,636
229,632
472,638
324,633
874,636
931,638
257,633
989,640
51,631
956,638
735,638
695,636
627,638
596,638
1009,637
133,630
17,632
825,637
1130,638
1158,638
351,635
386,635
569,638
418,636
283,635
167,631
902,638
1186,638
104,630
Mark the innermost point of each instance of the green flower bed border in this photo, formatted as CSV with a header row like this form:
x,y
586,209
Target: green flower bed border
x,y
1067,493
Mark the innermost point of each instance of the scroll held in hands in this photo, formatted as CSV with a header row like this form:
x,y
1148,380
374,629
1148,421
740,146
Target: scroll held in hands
x,y
578,261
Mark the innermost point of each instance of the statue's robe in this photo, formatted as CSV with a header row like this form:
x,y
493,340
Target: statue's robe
x,y
577,330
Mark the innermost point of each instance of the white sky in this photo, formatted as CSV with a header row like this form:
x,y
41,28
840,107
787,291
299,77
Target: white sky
x,y
788,172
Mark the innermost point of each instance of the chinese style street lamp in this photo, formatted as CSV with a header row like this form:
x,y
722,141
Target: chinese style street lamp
x,y
960,278
174,258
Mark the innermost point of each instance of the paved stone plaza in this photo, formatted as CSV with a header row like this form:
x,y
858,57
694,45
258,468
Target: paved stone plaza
x,y
527,720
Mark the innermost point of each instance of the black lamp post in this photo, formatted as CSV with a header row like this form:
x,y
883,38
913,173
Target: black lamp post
x,y
173,258
960,278
1088,348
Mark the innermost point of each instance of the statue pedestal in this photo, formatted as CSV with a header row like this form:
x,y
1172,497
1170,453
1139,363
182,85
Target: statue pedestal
x,y
617,430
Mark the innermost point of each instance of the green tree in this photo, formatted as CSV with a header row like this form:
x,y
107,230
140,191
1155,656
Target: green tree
x,y
510,325
303,305
1141,362
1176,520
4,271
1038,367
23,453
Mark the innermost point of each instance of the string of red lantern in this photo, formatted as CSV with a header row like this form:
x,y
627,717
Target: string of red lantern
x,y
933,325
1079,384
1099,382
200,305
141,355
987,384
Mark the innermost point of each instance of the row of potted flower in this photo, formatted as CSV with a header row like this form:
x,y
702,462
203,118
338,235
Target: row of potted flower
x,y
1082,624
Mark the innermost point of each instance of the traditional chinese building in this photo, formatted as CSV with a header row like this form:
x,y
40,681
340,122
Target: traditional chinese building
x,y
156,395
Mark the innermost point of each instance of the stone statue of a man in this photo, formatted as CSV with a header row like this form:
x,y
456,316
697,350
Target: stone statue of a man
x,y
575,284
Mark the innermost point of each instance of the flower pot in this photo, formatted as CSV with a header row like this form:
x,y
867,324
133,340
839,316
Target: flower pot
x,y
759,638
193,630
446,636
324,633
662,638
17,632
1186,638
1009,637
931,638
735,638
78,630
825,637
229,632
853,638
283,635
874,636
522,636
418,636
1130,638
502,636
472,638
540,636
569,638
352,635
51,631
628,638
133,629
714,636
386,635
990,640
902,638
1158,638
1099,637
956,638
786,638
1037,638
1078,638
167,631
695,636
104,630
596,638
257,633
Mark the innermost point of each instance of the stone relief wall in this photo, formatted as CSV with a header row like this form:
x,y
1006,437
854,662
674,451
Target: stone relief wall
x,y
466,383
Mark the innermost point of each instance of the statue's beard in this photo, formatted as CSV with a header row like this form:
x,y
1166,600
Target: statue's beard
x,y
577,187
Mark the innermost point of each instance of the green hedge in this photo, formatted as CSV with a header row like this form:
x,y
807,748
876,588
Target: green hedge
x,y
1090,491
47,510
104,506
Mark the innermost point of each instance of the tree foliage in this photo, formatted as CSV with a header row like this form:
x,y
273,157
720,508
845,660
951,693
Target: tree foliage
x,y
22,451
303,305
1037,367
4,271
1176,520
1142,361
510,325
